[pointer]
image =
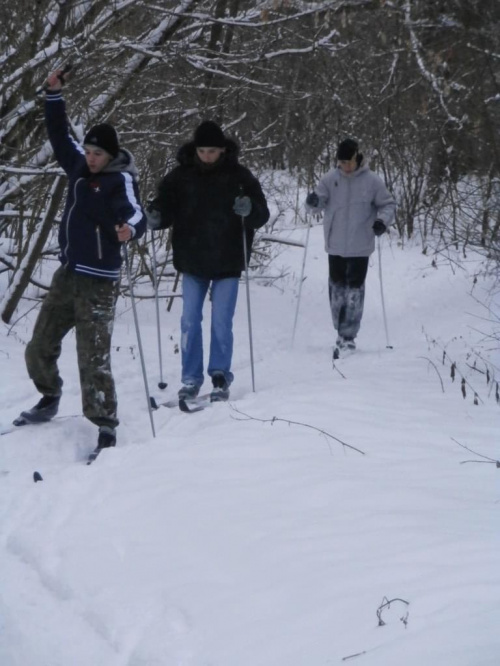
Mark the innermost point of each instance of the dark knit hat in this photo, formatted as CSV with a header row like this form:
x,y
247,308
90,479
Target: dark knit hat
x,y
209,135
347,149
103,136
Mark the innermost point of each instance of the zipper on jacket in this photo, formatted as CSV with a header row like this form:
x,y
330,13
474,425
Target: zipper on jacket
x,y
99,244
349,208
67,220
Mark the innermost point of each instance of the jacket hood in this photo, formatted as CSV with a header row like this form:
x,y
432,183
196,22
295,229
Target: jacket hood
x,y
186,155
124,161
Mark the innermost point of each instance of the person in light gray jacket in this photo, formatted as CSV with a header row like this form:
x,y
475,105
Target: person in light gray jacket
x,y
356,206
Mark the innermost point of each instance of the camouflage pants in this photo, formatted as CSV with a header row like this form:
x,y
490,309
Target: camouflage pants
x,y
86,304
346,288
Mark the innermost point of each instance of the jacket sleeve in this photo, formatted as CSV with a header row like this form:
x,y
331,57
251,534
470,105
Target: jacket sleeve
x,y
68,152
165,202
384,202
127,206
323,192
259,214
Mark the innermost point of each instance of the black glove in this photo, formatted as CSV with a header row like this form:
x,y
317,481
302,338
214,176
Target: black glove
x,y
312,200
153,219
153,215
379,228
242,206
152,205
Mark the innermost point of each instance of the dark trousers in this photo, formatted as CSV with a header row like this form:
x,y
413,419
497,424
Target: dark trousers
x,y
346,289
86,304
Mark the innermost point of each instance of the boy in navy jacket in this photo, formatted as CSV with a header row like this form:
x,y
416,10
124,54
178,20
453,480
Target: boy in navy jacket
x,y
102,211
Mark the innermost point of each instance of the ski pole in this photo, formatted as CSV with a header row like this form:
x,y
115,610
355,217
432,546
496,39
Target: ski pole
x,y
161,383
388,345
249,314
138,333
299,295
31,102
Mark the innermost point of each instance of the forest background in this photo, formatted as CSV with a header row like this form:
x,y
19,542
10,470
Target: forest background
x,y
416,82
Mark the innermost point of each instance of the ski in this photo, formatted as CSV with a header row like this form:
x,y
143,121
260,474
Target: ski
x,y
5,430
339,353
107,440
16,424
186,405
21,422
200,399
200,403
191,406
94,455
342,353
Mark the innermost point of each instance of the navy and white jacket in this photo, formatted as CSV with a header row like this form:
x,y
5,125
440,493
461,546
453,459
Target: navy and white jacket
x,y
95,204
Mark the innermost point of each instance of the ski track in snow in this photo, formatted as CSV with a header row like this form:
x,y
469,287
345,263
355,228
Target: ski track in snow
x,y
229,541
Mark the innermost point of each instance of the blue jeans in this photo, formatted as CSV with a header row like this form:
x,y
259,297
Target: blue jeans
x,y
224,296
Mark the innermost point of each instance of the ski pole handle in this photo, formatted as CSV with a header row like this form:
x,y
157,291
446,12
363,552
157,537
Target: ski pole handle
x,y
124,232
65,70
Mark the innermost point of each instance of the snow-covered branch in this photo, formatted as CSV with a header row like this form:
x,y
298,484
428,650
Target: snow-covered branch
x,y
426,73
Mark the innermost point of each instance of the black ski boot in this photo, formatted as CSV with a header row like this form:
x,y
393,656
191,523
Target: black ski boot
x,y
188,392
342,345
220,391
349,344
106,439
44,410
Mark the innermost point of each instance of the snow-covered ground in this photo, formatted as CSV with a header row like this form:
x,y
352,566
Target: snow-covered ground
x,y
231,539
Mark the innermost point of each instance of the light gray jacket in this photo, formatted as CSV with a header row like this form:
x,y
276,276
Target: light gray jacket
x,y
351,204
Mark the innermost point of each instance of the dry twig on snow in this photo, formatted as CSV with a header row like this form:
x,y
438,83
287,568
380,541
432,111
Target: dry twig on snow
x,y
275,419
486,459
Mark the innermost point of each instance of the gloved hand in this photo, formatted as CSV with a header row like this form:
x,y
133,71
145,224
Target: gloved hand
x,y
242,206
153,218
312,200
379,228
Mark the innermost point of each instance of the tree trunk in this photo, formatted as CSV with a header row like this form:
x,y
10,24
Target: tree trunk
x,y
14,294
